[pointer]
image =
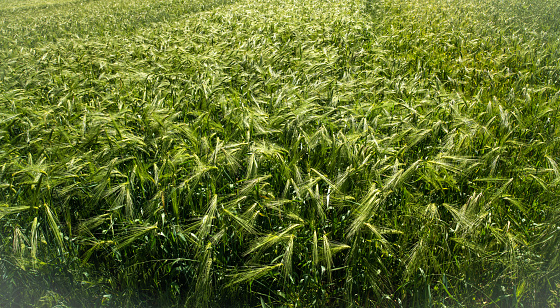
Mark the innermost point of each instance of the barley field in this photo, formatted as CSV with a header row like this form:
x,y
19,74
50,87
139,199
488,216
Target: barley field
x,y
279,153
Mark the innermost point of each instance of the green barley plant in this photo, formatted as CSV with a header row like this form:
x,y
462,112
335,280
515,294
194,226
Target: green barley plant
x,y
296,153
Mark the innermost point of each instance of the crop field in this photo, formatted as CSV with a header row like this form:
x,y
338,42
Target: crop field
x,y
279,153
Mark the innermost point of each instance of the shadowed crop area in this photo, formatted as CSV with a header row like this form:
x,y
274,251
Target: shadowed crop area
x,y
280,153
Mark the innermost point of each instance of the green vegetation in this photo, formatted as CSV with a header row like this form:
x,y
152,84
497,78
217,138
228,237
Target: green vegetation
x,y
296,153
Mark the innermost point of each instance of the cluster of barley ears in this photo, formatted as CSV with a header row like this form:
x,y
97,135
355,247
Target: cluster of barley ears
x,y
280,153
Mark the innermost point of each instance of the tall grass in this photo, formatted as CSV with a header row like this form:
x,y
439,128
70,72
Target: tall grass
x,y
280,153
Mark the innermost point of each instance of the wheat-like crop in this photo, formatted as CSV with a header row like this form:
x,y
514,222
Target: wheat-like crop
x,y
301,153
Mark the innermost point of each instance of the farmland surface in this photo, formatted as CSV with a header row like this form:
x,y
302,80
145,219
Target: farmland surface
x,y
279,153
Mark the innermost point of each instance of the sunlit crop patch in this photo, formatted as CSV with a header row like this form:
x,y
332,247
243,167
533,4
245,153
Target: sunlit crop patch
x,y
275,153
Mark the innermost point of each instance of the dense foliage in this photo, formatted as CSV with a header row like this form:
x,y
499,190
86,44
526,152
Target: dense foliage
x,y
279,153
